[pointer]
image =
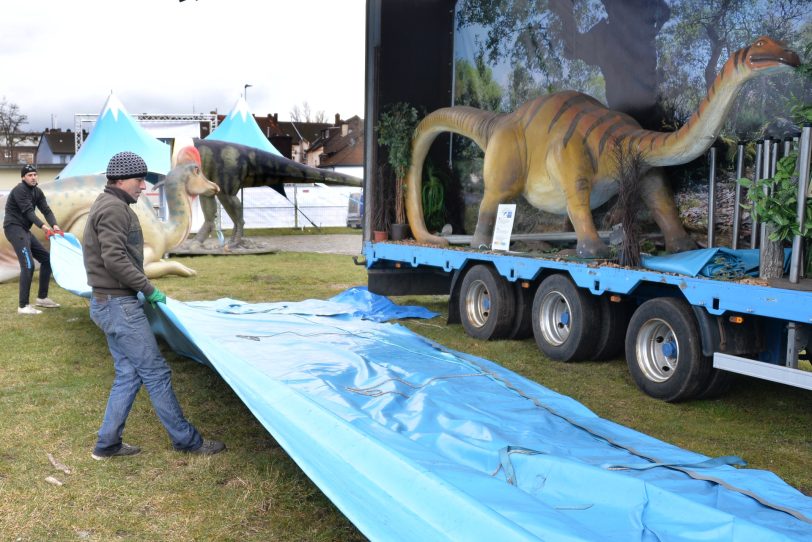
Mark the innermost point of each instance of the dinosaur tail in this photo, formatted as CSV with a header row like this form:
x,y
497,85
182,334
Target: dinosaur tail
x,y
472,123
242,166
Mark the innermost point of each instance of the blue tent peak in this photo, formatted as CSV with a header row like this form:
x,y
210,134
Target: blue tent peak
x,y
116,131
240,127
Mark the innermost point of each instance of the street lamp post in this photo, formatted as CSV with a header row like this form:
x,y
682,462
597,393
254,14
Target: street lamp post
x,y
245,91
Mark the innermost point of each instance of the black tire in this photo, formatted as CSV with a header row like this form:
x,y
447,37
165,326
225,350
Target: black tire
x,y
522,327
718,383
612,329
487,304
664,350
564,319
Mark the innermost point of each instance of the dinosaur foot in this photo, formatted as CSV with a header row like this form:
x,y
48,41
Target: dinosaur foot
x,y
204,245
242,243
592,249
167,267
680,244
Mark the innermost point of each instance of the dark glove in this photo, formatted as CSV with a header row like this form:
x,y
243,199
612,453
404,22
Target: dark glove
x,y
156,297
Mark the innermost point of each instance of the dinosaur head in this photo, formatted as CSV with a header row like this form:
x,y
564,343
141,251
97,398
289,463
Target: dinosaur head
x,y
188,155
190,174
766,54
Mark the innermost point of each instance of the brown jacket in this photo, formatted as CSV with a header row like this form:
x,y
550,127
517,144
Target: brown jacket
x,y
113,246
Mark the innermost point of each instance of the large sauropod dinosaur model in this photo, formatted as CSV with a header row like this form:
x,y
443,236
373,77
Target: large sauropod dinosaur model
x,y
232,166
560,152
71,199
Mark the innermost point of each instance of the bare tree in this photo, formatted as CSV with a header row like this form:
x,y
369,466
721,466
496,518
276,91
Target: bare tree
x,y
304,114
11,120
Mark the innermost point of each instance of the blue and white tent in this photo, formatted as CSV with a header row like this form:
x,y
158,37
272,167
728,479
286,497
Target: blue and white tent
x,y
117,131
240,127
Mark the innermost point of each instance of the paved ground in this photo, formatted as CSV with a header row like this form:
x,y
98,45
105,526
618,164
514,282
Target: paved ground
x,y
342,243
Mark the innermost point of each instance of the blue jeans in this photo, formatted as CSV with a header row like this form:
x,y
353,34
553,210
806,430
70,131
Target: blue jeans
x,y
137,360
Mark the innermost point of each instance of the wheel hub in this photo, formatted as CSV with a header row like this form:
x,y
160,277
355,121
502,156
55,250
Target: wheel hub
x,y
657,350
555,318
478,304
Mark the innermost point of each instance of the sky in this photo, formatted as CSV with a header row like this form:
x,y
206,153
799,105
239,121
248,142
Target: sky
x,y
62,57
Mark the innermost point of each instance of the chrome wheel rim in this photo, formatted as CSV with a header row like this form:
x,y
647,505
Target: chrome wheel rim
x,y
657,350
478,304
555,318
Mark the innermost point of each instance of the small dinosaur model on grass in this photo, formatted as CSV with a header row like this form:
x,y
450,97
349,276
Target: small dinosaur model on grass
x,y
72,197
232,166
560,152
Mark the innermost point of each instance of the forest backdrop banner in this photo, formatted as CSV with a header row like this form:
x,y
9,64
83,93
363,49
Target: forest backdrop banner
x,y
651,59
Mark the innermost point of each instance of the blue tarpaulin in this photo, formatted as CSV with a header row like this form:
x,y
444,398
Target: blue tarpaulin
x,y
414,441
718,262
68,265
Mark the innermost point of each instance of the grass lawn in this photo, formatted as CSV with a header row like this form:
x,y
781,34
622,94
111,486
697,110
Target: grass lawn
x,y
55,373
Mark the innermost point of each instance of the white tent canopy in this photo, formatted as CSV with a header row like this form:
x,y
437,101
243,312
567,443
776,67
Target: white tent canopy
x,y
116,131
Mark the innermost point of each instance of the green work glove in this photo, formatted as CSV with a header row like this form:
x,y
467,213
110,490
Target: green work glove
x,y
156,297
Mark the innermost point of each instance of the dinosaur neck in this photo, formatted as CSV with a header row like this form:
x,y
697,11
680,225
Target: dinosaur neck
x,y
179,222
698,134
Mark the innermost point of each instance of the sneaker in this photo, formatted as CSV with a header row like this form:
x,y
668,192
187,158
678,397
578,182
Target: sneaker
x,y
48,303
28,309
209,447
125,449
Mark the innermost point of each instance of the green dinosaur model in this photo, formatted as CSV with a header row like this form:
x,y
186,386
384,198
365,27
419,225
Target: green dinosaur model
x,y
232,167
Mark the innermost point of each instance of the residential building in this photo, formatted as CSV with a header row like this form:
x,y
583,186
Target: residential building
x,y
302,134
24,150
340,147
56,147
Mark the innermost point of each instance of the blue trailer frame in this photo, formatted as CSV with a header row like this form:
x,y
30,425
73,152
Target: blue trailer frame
x,y
716,304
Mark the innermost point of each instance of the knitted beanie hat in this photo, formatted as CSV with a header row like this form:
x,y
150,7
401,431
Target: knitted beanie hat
x,y
126,165
26,169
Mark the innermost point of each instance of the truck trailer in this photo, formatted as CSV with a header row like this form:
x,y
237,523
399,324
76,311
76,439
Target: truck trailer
x,y
682,336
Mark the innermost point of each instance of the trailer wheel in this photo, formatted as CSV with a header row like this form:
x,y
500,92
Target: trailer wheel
x,y
522,326
664,352
487,304
718,383
612,329
564,317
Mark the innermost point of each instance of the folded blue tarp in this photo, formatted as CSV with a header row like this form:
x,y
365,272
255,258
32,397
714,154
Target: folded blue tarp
x,y
413,441
718,263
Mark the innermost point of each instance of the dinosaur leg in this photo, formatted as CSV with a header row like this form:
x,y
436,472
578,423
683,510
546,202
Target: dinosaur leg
x,y
209,207
571,167
233,207
486,220
504,177
155,266
659,199
589,244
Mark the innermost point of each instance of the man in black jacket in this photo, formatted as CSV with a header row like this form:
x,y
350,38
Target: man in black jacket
x,y
21,204
113,252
